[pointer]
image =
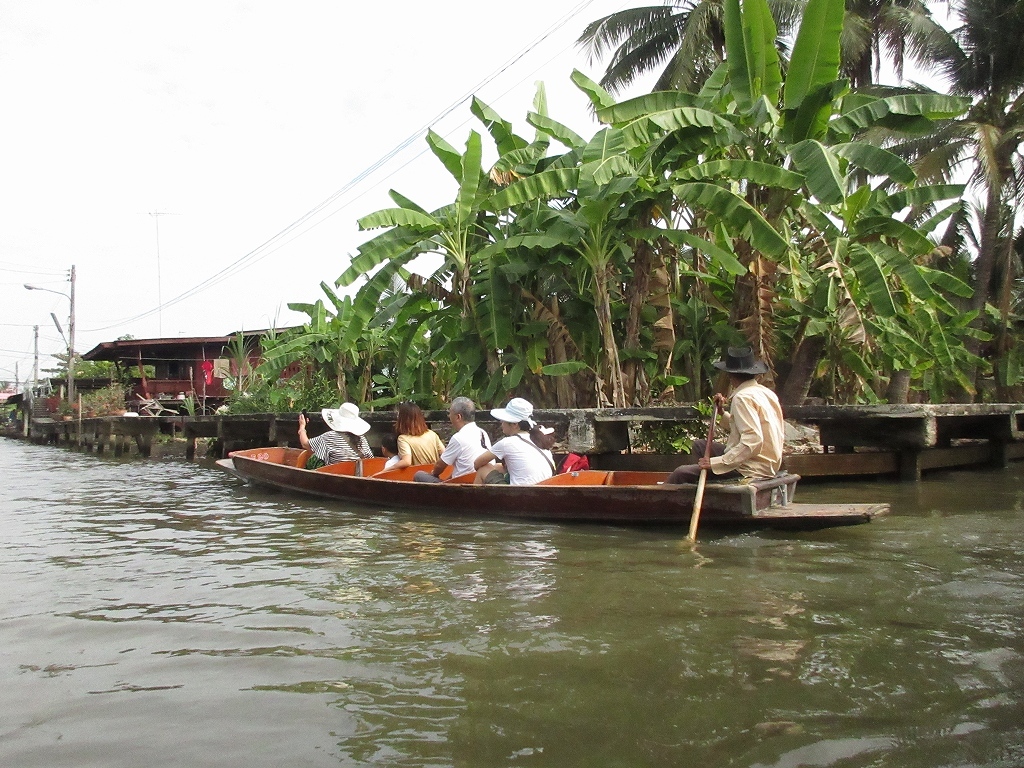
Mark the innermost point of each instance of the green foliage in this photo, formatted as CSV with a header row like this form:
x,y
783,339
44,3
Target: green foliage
x,y
109,401
576,272
667,439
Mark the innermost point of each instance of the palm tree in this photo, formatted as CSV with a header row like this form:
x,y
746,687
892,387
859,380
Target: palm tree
x,y
687,38
877,29
689,42
982,59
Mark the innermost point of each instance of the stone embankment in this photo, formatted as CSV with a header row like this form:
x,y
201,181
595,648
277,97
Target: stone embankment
x,y
822,441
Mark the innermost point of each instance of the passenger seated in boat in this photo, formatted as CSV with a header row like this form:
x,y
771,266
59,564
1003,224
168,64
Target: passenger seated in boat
x,y
524,452
756,427
389,448
343,442
417,444
467,442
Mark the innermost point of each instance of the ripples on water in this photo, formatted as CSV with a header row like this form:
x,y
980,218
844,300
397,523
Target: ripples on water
x,y
158,613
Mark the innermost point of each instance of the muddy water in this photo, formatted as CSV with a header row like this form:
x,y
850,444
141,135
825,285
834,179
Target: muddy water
x,y
157,613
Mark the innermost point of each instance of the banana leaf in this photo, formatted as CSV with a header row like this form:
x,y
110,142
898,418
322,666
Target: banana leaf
x,y
631,109
556,130
814,62
876,161
871,275
501,131
762,174
399,217
598,96
909,113
720,256
820,167
736,213
559,182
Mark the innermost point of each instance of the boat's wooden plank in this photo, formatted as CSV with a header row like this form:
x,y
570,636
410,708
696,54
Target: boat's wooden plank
x,y
807,510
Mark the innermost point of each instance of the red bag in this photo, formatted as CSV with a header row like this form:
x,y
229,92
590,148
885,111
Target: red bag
x,y
575,463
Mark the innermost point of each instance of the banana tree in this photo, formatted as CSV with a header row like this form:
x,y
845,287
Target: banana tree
x,y
600,191
320,343
780,178
454,232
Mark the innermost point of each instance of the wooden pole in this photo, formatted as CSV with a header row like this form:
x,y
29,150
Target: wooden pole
x,y
698,500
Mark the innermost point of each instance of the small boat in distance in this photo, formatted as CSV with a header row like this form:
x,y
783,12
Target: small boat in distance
x,y
620,498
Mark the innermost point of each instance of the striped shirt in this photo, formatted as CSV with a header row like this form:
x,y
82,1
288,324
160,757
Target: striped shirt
x,y
332,447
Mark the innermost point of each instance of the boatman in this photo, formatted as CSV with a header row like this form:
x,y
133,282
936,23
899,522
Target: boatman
x,y
755,422
468,442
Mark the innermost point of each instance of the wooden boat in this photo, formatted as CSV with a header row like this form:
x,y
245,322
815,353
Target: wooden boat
x,y
630,498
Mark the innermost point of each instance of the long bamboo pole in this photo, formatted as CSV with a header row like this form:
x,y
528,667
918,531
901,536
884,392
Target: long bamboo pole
x,y
698,500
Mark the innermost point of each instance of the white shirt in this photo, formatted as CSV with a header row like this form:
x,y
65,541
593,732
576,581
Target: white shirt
x,y
525,463
757,433
465,445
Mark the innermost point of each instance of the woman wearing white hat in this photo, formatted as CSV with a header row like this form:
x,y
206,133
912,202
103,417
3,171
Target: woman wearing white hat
x,y
523,461
344,441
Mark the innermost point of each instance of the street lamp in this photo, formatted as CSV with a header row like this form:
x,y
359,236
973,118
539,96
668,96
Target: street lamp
x,y
71,329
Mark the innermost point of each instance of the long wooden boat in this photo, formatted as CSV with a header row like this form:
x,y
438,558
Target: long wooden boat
x,y
631,498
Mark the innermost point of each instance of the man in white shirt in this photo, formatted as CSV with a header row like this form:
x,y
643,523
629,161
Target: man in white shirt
x,y
756,427
468,442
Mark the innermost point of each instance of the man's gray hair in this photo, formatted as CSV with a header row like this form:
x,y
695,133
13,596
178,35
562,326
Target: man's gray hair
x,y
464,407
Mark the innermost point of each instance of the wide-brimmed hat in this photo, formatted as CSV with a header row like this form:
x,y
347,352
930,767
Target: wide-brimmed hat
x,y
517,410
741,360
345,418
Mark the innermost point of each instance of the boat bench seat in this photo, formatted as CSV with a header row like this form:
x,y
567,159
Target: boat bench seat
x,y
407,474
360,468
583,477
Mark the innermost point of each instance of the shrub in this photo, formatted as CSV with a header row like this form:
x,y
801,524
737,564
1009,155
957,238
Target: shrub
x,y
109,401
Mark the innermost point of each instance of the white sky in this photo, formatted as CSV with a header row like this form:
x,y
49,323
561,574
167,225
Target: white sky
x,y
236,118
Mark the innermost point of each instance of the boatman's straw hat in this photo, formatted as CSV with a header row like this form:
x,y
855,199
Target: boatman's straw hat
x,y
741,360
345,418
517,410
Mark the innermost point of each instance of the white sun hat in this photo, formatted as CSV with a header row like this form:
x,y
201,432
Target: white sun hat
x,y
345,418
517,410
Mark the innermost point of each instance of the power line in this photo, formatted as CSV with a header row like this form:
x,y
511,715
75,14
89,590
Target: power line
x,y
264,249
8,266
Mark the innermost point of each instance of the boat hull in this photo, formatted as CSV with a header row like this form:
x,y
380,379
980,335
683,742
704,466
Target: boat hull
x,y
624,498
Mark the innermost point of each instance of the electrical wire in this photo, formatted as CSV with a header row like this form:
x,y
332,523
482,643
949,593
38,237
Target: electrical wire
x,y
7,266
265,249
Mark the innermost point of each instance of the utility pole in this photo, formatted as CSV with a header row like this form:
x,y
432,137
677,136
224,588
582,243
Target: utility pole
x,y
71,330
35,356
71,341
159,290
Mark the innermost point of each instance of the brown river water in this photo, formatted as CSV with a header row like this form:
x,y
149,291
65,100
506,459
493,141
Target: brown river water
x,y
159,613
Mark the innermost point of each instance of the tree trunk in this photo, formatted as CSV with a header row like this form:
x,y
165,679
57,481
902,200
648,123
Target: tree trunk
x,y
899,388
801,374
611,349
983,267
636,294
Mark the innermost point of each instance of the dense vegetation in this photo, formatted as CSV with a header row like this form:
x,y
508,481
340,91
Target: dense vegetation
x,y
771,203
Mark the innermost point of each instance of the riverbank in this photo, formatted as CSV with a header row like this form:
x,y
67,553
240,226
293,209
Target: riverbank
x,y
822,441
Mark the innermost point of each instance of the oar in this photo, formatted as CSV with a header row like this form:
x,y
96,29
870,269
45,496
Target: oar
x,y
699,498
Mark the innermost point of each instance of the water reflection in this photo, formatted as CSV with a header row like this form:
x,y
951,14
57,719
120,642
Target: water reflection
x,y
157,613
